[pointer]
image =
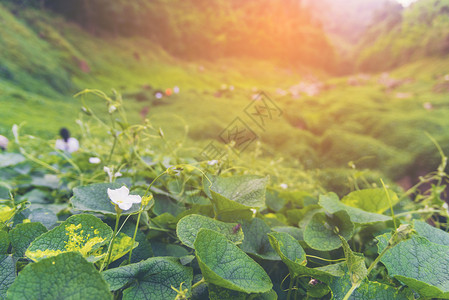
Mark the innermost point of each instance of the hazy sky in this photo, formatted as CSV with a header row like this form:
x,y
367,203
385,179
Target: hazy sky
x,y
405,2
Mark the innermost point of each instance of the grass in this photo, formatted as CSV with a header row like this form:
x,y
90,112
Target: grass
x,y
365,124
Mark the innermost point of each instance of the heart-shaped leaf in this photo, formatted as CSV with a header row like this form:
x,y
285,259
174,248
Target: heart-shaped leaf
x,y
237,192
419,264
367,290
321,233
332,204
224,264
80,233
94,198
371,200
65,276
293,255
150,279
23,234
7,273
256,240
188,227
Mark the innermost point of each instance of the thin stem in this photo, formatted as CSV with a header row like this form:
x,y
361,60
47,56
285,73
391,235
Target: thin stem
x,y
389,202
290,287
135,232
111,244
351,290
113,148
198,283
419,211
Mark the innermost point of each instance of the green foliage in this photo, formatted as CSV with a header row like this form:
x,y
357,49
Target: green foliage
x,y
224,264
79,233
7,273
67,275
23,234
332,205
189,226
150,279
83,195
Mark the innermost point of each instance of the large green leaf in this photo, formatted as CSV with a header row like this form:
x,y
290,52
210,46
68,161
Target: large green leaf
x,y
418,263
321,232
222,263
150,279
256,240
8,159
367,290
371,200
293,255
332,204
23,234
220,293
81,233
356,264
4,242
94,198
7,273
188,227
431,233
237,192
65,276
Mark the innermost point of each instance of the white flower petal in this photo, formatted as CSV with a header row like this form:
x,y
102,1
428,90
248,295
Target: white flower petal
x,y
125,205
134,198
118,195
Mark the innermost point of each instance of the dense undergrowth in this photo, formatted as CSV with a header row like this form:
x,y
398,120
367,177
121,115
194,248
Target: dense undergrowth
x,y
218,229
263,223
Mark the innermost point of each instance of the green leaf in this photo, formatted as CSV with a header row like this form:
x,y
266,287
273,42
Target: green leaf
x,y
431,233
188,227
320,233
356,264
4,242
367,290
224,264
419,264
94,198
7,273
256,240
237,192
220,293
65,276
163,249
4,193
371,200
293,231
80,233
23,234
331,204
150,279
122,245
10,159
293,255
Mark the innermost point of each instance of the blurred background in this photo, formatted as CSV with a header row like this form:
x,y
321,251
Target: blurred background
x,y
357,84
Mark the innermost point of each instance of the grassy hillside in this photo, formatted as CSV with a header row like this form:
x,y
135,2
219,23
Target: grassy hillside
x,y
373,121
419,31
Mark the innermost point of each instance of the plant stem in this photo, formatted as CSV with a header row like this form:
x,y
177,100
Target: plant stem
x,y
351,290
197,284
290,287
370,268
111,244
135,232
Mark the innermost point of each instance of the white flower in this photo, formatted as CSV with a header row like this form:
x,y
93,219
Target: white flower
x,y
212,162
112,108
283,186
15,132
176,90
117,174
94,160
122,198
